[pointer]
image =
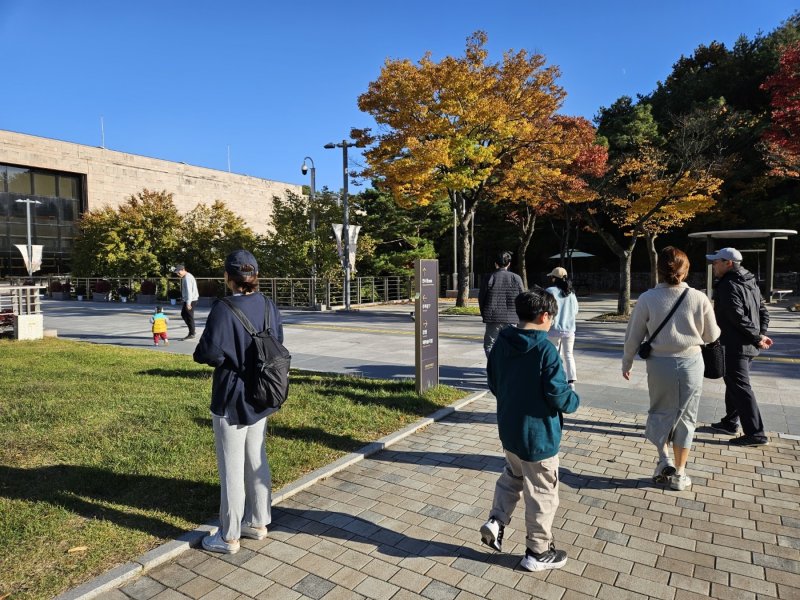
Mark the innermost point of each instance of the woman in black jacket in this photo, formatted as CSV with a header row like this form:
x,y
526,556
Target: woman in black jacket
x,y
239,427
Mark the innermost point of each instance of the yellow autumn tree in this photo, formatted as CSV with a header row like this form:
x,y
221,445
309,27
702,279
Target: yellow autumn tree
x,y
448,128
651,198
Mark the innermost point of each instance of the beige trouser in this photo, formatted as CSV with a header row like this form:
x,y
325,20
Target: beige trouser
x,y
538,483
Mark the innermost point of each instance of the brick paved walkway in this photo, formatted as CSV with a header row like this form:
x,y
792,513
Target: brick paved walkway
x,y
403,524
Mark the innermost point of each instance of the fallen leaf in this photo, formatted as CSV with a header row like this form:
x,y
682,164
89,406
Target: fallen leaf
x,y
74,550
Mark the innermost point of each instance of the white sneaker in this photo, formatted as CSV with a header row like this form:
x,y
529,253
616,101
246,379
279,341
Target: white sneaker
x,y
492,534
664,470
680,482
549,559
254,533
215,543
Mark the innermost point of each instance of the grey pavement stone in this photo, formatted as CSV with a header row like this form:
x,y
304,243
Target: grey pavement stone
x,y
313,586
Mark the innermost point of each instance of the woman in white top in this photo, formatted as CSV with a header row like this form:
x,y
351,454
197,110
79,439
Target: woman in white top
x,y
562,333
675,366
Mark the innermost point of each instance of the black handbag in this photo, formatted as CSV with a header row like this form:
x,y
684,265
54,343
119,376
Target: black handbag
x,y
714,359
645,348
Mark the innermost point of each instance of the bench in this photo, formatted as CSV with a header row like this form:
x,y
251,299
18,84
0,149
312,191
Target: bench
x,y
781,293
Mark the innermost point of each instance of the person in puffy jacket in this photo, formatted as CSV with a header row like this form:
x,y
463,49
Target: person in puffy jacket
x,y
496,300
526,376
743,318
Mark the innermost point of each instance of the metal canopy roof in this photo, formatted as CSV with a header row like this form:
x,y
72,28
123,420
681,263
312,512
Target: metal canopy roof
x,y
732,234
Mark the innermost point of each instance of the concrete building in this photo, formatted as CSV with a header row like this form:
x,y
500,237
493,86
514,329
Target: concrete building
x,y
69,179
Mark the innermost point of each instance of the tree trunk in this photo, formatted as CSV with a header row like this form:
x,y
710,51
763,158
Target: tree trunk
x,y
463,260
528,226
624,298
651,252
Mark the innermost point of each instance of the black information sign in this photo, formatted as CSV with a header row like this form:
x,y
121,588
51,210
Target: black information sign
x,y
426,318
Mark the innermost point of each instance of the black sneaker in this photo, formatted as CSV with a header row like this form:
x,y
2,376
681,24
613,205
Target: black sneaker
x,y
492,534
725,428
191,336
549,559
748,440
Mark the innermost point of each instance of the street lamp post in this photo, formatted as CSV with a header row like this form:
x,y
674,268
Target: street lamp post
x,y
344,145
28,203
313,226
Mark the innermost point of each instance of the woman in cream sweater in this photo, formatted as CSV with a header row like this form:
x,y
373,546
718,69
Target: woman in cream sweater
x,y
675,366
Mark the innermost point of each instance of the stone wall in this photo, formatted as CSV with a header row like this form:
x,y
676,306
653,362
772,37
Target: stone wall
x,y
112,176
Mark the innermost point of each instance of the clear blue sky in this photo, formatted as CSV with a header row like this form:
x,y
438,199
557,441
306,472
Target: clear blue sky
x,y
183,80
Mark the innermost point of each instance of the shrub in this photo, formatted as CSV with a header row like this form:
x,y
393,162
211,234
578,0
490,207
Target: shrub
x,y
124,291
103,286
148,287
55,286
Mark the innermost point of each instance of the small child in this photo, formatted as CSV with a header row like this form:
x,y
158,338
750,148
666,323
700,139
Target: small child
x,y
526,376
159,321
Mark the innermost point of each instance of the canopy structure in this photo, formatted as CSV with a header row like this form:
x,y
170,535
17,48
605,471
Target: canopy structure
x,y
573,254
736,234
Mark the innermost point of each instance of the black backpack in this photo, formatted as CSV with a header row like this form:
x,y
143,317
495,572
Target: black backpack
x,y
267,377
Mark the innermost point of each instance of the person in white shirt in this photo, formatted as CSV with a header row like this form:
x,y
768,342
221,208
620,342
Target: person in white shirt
x,y
675,365
562,333
189,295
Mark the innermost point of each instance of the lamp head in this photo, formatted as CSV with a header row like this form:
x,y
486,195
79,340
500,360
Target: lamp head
x,y
329,145
304,169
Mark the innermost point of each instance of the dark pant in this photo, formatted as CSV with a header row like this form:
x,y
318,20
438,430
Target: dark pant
x,y
740,401
187,314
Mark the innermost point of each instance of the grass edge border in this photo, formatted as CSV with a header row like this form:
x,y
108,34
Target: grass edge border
x,y
157,556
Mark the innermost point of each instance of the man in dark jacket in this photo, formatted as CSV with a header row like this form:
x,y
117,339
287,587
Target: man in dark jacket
x,y
496,300
743,319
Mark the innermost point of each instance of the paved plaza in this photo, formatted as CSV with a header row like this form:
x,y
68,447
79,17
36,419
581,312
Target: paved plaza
x,y
403,522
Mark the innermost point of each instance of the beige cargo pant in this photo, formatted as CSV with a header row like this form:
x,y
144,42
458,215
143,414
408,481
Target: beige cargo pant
x,y
537,482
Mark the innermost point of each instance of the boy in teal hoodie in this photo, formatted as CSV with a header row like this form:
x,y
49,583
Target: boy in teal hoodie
x,y
527,378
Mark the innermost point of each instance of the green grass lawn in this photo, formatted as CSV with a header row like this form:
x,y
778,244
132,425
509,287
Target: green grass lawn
x,y
461,310
106,452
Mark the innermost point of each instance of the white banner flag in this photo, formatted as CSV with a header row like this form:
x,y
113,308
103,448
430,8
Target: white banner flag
x,y
353,235
35,260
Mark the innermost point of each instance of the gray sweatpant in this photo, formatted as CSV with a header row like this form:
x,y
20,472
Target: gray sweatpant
x,y
537,482
244,476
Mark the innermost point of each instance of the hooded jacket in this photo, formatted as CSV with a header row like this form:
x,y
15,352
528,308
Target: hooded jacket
x,y
526,377
497,294
740,311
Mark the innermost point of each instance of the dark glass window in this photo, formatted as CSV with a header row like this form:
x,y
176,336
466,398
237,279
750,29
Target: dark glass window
x,y
68,187
44,184
19,180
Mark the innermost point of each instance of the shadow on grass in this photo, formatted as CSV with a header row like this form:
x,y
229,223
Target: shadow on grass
x,y
82,490
189,373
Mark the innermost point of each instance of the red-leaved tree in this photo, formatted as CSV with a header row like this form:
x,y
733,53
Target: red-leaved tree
x,y
782,139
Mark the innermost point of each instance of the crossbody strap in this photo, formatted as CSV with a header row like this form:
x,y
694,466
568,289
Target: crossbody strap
x,y
672,312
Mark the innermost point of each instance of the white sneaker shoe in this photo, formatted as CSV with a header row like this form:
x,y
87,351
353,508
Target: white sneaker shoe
x,y
492,534
215,543
254,533
664,470
680,482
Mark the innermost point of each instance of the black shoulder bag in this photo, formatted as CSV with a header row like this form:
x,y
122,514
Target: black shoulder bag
x,y
645,348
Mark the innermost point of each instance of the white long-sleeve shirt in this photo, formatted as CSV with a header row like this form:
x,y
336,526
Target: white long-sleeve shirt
x,y
189,291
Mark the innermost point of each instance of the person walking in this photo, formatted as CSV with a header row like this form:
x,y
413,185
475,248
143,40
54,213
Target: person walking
x,y
189,296
158,323
562,334
526,377
496,300
743,318
239,427
677,320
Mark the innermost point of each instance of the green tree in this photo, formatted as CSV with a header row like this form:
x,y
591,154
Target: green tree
x,y
397,235
139,239
290,250
208,234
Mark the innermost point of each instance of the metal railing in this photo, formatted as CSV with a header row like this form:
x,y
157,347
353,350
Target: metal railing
x,y
294,292
19,300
